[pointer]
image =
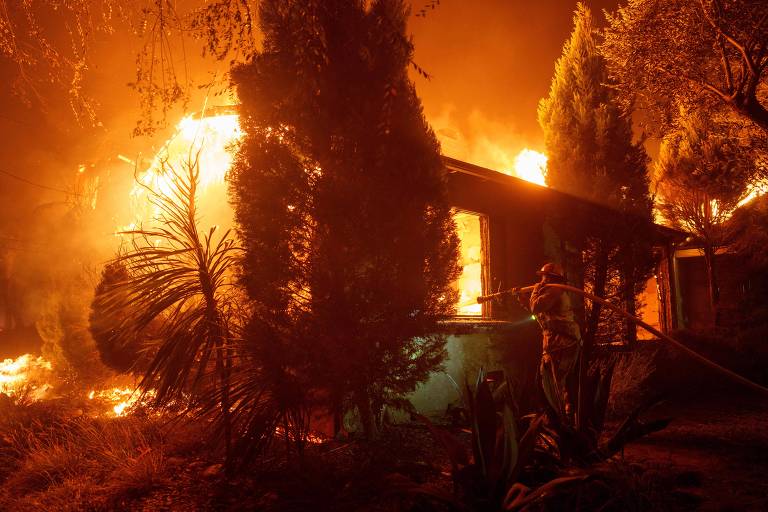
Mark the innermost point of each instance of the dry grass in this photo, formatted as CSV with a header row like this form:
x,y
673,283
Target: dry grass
x,y
632,383
54,461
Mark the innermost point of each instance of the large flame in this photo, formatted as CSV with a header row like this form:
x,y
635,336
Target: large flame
x,y
206,140
754,191
469,284
531,166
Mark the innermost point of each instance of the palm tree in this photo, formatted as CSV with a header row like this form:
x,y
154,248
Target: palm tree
x,y
182,279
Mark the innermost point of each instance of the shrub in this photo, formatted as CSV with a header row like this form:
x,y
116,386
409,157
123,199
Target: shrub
x,y
65,463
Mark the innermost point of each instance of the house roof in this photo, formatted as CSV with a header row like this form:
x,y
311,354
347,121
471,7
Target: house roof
x,y
519,187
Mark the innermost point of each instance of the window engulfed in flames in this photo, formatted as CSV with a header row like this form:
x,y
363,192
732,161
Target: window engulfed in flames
x,y
469,283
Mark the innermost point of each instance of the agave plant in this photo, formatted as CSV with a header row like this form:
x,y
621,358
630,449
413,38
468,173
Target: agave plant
x,y
489,479
179,279
581,439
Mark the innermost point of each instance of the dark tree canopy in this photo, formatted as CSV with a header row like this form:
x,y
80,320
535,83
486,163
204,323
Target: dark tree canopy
x,y
340,196
119,352
698,54
588,135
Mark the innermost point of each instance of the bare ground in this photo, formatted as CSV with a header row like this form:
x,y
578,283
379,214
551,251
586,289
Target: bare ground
x,y
714,455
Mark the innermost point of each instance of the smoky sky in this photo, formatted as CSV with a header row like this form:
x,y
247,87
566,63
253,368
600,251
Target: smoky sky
x,y
490,62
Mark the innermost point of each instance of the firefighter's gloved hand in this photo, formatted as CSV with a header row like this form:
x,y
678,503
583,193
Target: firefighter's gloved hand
x,y
516,293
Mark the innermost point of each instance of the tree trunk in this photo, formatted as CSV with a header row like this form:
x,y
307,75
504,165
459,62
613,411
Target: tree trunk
x,y
363,402
601,275
338,420
714,292
223,371
751,108
629,304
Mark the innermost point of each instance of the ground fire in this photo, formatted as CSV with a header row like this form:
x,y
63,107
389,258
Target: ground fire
x,y
26,375
31,378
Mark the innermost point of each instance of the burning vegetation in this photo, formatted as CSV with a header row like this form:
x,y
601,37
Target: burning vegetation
x,y
28,379
25,375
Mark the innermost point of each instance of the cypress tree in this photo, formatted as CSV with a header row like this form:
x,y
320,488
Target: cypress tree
x,y
339,192
591,154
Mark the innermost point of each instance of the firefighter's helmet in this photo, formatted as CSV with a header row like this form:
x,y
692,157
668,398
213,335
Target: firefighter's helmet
x,y
551,270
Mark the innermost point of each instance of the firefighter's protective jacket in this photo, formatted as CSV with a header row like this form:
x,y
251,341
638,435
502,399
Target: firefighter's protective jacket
x,y
554,313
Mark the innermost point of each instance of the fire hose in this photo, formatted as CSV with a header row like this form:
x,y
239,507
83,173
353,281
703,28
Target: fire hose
x,y
695,355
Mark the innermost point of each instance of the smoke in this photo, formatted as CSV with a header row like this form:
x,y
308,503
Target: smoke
x,y
477,139
490,62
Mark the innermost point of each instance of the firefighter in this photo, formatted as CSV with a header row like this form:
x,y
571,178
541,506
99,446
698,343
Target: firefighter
x,y
562,340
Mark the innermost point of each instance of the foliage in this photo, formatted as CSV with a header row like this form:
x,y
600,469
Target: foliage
x,y
224,29
350,247
747,232
53,461
591,154
710,167
634,378
702,177
28,40
51,44
489,480
182,279
115,349
700,55
583,440
747,235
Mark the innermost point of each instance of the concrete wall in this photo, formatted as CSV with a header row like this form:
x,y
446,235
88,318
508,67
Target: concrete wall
x,y
514,348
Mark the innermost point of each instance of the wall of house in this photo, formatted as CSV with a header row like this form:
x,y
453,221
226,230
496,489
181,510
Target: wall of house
x,y
731,276
518,219
509,348
519,242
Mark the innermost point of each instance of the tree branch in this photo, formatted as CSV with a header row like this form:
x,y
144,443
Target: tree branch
x,y
742,50
728,98
726,64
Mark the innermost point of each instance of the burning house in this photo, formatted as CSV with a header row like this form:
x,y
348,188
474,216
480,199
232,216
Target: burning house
x,y
504,225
